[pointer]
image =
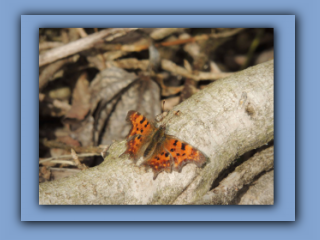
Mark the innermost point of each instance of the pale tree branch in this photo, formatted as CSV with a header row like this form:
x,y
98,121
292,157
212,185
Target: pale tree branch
x,y
226,119
243,175
261,192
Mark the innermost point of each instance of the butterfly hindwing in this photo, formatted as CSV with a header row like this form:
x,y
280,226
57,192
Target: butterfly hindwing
x,y
160,160
183,153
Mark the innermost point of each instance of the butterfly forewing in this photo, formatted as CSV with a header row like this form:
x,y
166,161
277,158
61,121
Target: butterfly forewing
x,y
140,124
139,135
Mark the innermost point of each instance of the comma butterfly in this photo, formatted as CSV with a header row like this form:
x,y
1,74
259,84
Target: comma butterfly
x,y
160,151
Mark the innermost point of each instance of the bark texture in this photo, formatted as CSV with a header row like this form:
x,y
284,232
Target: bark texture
x,y
226,119
261,192
243,175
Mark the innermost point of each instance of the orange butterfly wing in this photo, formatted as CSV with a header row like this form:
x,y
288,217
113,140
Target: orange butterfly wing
x,y
183,153
173,154
160,160
140,134
169,153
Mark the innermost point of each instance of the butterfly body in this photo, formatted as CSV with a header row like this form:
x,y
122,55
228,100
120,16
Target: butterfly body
x,y
157,138
160,151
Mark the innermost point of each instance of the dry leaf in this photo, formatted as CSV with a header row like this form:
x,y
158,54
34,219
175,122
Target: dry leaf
x,y
44,174
142,96
84,133
130,63
108,83
80,99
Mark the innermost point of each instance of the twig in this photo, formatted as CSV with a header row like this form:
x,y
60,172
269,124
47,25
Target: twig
x,y
80,45
63,162
82,32
67,156
105,150
76,160
97,60
73,170
255,43
51,69
56,144
174,68
227,33
47,45
202,37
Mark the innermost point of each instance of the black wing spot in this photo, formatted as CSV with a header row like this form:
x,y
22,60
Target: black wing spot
x,y
178,154
141,131
143,119
183,154
146,124
167,154
183,146
139,137
175,143
137,129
